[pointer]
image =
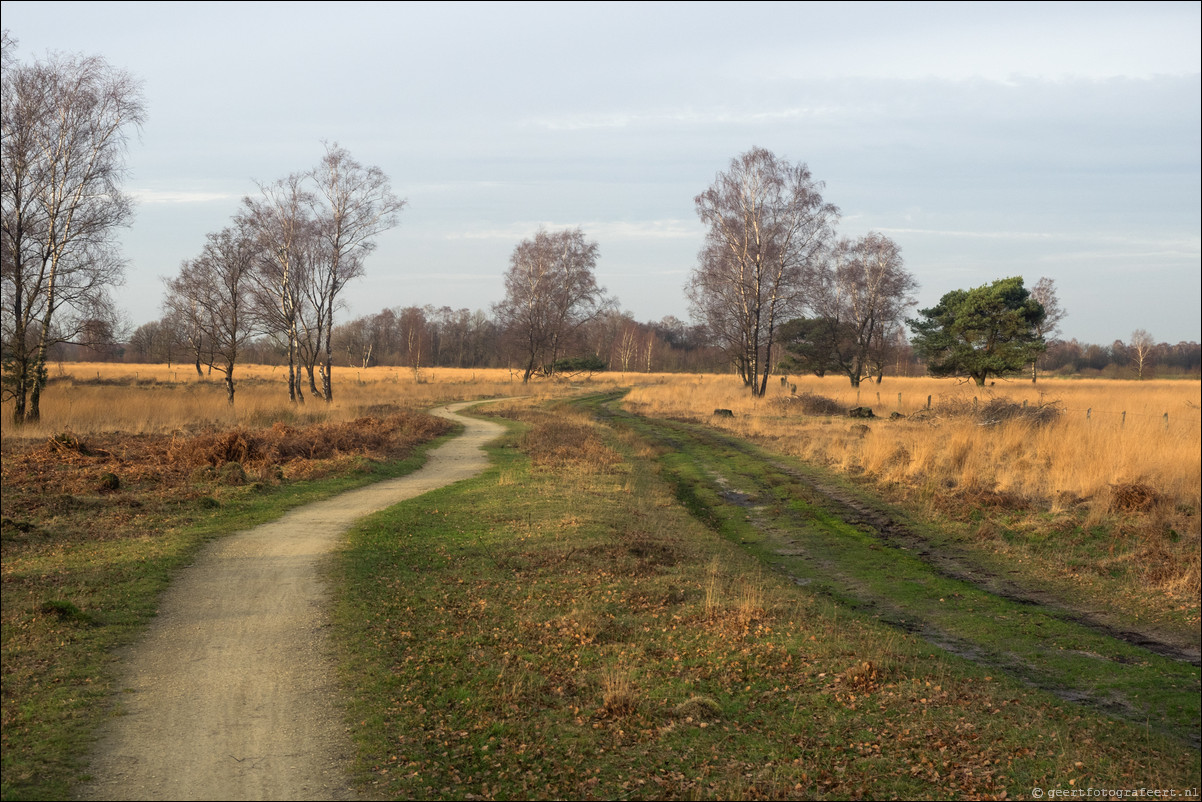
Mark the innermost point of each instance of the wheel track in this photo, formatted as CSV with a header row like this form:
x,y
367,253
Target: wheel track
x,y
891,532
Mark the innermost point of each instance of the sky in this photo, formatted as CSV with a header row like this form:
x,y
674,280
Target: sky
x,y
987,139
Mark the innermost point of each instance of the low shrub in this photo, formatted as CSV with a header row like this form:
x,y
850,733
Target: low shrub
x,y
108,482
232,473
810,404
996,411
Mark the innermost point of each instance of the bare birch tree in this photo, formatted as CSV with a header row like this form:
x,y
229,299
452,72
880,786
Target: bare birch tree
x,y
627,345
281,222
551,291
310,267
1142,350
768,227
864,301
355,205
65,123
212,294
723,299
1044,291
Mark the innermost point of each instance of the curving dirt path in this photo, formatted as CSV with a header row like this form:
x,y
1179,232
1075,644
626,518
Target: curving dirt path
x,y
232,693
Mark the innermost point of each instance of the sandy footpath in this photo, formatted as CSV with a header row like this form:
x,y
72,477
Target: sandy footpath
x,y
232,693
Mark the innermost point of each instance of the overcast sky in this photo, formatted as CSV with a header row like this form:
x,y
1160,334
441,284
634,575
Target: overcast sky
x,y
987,140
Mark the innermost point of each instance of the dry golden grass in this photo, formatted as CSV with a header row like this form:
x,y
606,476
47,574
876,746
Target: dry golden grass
x,y
618,696
1089,454
1089,449
564,440
88,398
1121,456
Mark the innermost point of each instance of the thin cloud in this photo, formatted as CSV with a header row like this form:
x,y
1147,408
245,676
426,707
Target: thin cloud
x,y
160,196
616,120
646,229
1187,246
1022,235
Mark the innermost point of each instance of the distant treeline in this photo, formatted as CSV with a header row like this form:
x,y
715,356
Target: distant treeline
x,y
427,337
1121,360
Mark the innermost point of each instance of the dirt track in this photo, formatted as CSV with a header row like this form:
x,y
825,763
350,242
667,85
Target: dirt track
x,y
232,695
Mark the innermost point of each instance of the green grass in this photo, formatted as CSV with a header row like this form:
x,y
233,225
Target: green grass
x,y
569,630
72,595
794,530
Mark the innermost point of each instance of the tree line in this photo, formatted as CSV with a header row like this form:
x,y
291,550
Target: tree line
x,y
423,337
440,337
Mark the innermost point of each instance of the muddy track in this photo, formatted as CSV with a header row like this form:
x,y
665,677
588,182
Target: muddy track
x,y
232,693
1032,635
955,565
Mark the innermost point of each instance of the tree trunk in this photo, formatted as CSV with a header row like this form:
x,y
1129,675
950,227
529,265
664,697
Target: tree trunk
x,y
33,413
21,359
761,389
294,389
327,373
19,397
312,381
21,382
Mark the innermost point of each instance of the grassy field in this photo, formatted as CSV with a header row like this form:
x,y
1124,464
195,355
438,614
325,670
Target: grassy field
x,y
1096,485
562,627
89,398
565,621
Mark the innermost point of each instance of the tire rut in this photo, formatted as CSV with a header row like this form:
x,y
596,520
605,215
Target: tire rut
x,y
781,525
950,563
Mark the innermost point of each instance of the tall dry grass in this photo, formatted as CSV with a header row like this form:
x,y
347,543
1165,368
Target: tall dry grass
x,y
87,398
1090,447
1122,458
